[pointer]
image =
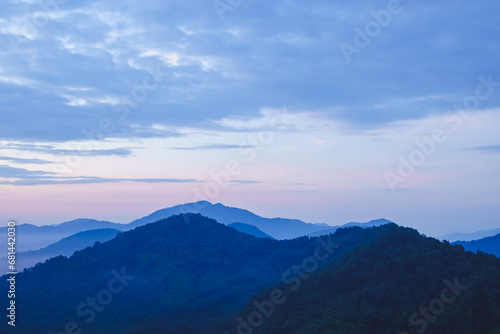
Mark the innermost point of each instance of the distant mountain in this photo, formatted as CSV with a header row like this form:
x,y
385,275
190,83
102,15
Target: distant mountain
x,y
64,247
250,229
177,275
279,228
490,245
470,236
332,229
400,283
31,237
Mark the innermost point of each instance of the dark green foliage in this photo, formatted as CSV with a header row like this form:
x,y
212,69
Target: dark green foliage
x,y
377,287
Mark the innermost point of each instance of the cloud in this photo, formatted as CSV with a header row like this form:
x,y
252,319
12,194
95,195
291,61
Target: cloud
x,y
213,147
25,161
244,182
88,180
12,172
52,150
215,70
24,177
269,119
489,148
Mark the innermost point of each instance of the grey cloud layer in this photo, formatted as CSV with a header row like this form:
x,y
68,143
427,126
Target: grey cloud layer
x,y
67,75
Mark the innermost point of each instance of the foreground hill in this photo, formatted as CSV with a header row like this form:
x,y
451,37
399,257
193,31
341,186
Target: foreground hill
x,y
402,283
180,274
490,245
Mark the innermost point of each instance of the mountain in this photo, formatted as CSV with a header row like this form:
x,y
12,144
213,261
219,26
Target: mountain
x,y
401,283
279,228
332,229
189,274
490,245
64,247
470,236
36,237
250,229
177,275
31,237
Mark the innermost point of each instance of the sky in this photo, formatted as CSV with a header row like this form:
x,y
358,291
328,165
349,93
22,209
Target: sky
x,y
324,111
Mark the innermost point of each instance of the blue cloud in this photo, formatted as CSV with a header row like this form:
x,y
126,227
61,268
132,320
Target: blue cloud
x,y
24,177
88,180
97,63
489,148
12,172
48,149
25,161
212,147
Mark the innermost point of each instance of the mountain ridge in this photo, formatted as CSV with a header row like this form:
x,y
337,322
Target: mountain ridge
x,y
452,237
489,245
64,247
190,274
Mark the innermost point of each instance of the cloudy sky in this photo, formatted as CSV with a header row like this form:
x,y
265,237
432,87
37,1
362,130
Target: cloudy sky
x,y
318,110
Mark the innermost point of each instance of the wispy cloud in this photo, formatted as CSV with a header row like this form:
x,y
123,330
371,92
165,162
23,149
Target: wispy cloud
x,y
489,148
244,182
13,172
25,161
212,147
88,180
52,150
23,177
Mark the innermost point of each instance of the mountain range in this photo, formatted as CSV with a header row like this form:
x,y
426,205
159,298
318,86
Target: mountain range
x,y
470,236
37,244
250,229
33,237
278,228
332,229
65,247
490,245
66,238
